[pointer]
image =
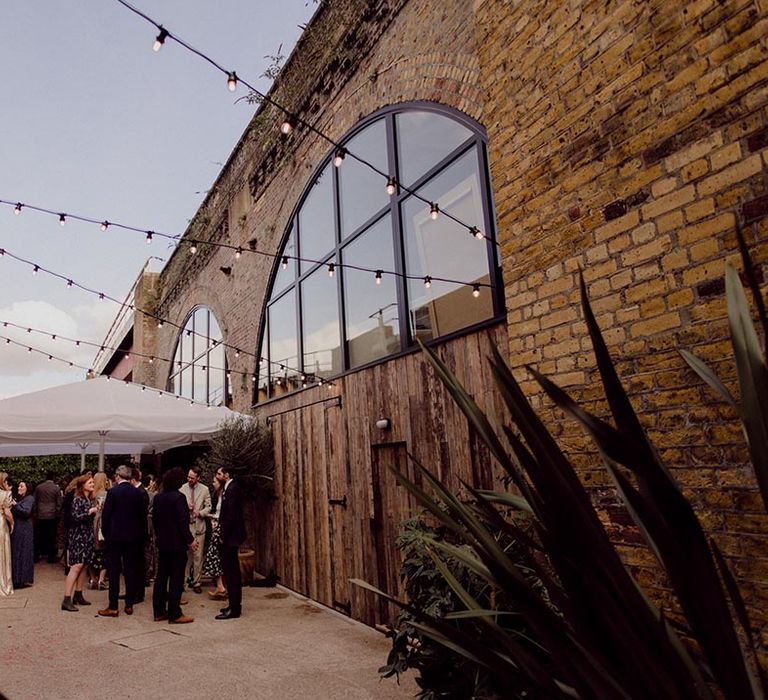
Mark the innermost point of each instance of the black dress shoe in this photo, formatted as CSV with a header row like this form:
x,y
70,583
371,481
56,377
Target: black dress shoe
x,y
224,610
229,615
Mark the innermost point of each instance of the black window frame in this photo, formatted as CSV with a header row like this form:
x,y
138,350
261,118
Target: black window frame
x,y
477,142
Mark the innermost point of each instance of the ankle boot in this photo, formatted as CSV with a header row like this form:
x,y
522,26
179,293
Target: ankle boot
x,y
66,604
78,598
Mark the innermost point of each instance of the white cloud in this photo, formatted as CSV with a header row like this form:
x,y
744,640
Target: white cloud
x,y
21,370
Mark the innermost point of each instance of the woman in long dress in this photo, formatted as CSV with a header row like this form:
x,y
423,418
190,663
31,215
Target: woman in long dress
x,y
21,538
6,526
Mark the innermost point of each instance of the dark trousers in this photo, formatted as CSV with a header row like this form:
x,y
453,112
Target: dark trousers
x,y
230,563
121,559
139,570
45,539
169,583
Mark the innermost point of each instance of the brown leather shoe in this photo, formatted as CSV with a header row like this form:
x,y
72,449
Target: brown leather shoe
x,y
198,589
129,610
160,618
109,612
183,620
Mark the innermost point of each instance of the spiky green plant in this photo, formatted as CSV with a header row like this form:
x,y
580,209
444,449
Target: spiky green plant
x,y
604,636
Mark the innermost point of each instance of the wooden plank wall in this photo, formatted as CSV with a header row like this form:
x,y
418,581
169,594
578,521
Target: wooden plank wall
x,y
327,446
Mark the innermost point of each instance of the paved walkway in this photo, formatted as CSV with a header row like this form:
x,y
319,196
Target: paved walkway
x,y
282,647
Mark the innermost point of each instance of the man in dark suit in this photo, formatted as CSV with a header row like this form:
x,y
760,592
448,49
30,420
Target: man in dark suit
x,y
170,518
232,533
124,526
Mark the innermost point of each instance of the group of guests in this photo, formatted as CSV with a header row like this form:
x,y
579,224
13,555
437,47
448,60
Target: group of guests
x,y
124,529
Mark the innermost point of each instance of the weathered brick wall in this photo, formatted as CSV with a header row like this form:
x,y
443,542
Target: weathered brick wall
x,y
627,138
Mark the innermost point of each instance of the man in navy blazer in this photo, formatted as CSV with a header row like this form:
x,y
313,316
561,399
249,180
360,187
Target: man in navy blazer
x,y
232,533
170,518
124,525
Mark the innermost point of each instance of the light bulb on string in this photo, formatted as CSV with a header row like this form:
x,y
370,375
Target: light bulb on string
x,y
237,353
338,157
475,290
476,232
104,225
149,237
160,39
331,269
193,247
391,186
377,276
284,262
238,253
101,296
288,125
35,269
17,208
50,357
70,284
62,219
232,81
427,281
29,349
434,210
159,323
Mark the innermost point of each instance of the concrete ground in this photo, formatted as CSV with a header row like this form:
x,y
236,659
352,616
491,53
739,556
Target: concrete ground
x,y
282,647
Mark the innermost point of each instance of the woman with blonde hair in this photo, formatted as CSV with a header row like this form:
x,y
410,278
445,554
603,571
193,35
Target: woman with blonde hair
x,y
6,527
79,542
99,565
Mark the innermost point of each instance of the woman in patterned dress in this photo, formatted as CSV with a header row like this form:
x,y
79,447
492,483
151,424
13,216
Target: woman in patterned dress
x,y
212,562
79,543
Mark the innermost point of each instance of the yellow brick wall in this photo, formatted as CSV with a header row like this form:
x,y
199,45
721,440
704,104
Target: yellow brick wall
x,y
626,140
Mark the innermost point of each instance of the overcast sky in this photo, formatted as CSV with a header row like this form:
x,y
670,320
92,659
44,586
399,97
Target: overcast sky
x,y
95,123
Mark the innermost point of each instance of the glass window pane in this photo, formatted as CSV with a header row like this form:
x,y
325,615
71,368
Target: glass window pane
x,y
186,382
283,344
217,376
316,225
185,341
423,140
361,190
263,372
286,276
200,378
443,248
371,309
320,317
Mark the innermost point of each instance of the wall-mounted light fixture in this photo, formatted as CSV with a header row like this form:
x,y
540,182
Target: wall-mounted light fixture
x,y
383,424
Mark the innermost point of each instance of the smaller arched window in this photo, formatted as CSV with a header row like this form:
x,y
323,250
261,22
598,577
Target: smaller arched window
x,y
199,364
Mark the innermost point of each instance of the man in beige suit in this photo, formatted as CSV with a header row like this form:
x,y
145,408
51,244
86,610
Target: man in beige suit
x,y
199,500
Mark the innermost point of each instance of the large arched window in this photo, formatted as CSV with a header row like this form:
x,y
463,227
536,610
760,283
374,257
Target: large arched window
x,y
329,310
199,363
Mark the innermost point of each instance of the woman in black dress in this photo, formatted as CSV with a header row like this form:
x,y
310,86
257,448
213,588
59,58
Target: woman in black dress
x,y
79,543
21,538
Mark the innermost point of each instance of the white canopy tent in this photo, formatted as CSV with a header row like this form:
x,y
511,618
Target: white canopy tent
x,y
102,416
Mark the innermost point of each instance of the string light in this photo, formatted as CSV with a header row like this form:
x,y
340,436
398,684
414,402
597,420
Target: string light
x,y
338,157
288,125
149,237
331,269
427,281
62,219
17,208
104,225
434,210
477,233
476,290
284,262
160,40
377,277
35,269
192,247
238,253
232,81
391,186
69,284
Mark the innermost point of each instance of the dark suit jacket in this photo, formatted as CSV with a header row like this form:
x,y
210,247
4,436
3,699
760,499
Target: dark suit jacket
x,y
231,523
124,518
170,517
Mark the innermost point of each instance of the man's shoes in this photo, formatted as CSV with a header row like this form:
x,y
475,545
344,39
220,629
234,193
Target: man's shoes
x,y
183,620
229,615
160,618
217,595
109,612
198,589
129,610
224,610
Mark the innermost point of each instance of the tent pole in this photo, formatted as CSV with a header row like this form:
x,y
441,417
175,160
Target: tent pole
x,y
82,445
102,436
